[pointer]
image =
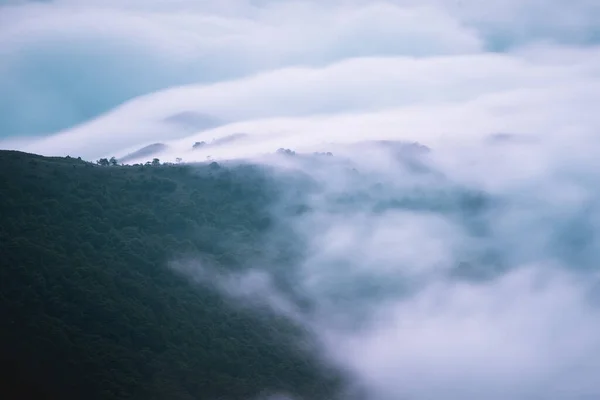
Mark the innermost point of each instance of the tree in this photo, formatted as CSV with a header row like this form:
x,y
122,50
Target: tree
x,y
113,161
155,161
103,162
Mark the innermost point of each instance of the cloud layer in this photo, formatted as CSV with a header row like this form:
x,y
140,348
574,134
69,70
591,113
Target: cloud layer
x,y
455,284
67,62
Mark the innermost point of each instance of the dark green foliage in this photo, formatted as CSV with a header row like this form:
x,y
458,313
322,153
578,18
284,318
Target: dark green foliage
x,y
89,308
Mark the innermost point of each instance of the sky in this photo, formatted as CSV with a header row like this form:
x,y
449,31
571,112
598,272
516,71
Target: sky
x,y
94,79
106,78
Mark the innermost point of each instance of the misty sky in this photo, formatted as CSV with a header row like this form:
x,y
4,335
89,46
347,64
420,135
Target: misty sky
x,y
106,77
95,78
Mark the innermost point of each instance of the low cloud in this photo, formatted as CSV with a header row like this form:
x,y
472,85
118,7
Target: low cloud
x,y
436,100
428,284
66,62
524,336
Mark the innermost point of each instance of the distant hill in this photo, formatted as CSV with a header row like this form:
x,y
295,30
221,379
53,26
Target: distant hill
x,y
144,152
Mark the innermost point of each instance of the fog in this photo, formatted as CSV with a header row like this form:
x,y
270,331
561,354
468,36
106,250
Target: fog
x,y
467,271
457,279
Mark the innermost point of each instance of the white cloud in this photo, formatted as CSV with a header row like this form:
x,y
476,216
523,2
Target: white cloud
x,y
515,338
85,50
390,312
365,97
63,60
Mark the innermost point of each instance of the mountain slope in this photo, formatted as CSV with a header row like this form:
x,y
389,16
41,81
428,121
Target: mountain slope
x,y
90,308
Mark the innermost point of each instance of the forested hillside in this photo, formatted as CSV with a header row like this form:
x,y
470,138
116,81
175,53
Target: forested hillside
x,y
90,309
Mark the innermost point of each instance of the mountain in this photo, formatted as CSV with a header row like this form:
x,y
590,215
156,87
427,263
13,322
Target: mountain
x,y
144,152
91,309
